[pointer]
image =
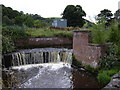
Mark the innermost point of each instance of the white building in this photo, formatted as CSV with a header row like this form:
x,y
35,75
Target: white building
x,y
59,23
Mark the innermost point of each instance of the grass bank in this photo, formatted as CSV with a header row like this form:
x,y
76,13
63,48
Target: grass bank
x,y
44,32
104,75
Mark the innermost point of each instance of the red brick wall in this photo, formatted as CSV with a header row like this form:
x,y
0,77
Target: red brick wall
x,y
43,41
85,52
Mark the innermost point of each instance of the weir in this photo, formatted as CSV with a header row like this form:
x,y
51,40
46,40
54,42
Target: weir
x,y
37,56
44,68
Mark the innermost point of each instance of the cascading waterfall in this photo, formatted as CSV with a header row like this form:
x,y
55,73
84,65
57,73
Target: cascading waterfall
x,y
37,56
44,68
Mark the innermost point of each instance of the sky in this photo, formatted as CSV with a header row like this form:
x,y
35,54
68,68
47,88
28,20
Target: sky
x,y
54,8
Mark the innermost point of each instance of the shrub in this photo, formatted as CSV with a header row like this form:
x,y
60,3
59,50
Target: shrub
x,y
15,32
9,35
103,78
100,34
110,59
7,44
115,33
113,71
115,36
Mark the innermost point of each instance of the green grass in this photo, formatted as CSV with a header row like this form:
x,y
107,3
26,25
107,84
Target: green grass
x,y
100,36
32,32
104,76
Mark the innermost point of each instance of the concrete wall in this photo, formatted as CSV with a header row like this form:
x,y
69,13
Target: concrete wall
x,y
86,53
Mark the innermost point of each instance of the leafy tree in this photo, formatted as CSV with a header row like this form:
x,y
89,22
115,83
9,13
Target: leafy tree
x,y
117,15
19,20
7,21
37,17
9,12
28,21
105,15
14,17
9,15
74,15
24,19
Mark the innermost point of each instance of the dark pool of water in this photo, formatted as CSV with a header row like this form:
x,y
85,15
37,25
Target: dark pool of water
x,y
52,76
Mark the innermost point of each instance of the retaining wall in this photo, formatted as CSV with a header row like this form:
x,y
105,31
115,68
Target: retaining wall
x,y
41,42
85,52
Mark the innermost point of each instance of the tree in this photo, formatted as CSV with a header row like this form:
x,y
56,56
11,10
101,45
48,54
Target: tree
x,y
24,19
28,21
74,15
105,15
9,15
37,17
19,20
9,12
7,21
117,15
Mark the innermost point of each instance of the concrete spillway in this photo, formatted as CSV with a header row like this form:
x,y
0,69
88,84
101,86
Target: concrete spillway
x,y
37,56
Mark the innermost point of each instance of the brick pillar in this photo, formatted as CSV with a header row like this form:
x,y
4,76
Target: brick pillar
x,y
85,53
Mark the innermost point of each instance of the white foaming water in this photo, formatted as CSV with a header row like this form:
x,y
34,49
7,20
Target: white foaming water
x,y
50,75
54,66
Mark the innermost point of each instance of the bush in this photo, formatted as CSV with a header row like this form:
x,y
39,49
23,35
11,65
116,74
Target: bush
x,y
103,78
9,35
100,34
115,36
113,71
15,32
7,44
115,33
110,59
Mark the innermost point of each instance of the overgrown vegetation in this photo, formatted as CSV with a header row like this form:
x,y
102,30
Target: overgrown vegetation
x,y
44,32
110,62
100,34
104,76
17,25
13,33
9,35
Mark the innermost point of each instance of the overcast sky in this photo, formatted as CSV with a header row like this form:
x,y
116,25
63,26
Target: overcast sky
x,y
54,8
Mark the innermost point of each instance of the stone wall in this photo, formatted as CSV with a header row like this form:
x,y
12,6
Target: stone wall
x,y
85,52
41,42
